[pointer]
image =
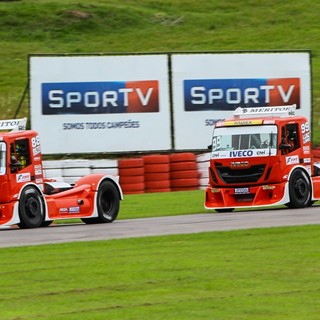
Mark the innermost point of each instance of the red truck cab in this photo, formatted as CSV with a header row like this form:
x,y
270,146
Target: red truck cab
x,y
262,157
30,200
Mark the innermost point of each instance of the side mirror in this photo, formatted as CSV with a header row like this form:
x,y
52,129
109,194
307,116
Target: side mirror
x,y
209,147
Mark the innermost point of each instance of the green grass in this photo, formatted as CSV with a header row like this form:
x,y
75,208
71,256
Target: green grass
x,y
162,204
100,26
249,274
256,274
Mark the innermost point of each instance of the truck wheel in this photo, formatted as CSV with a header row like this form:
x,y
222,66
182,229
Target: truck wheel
x,y
108,204
31,209
299,189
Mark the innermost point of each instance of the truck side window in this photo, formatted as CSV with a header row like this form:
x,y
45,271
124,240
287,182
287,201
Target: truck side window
x,y
19,155
289,137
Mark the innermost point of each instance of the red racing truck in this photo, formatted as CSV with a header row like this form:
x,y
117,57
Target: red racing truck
x,y
29,200
262,157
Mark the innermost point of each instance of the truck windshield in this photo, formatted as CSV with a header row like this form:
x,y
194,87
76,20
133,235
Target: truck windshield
x,y
245,138
3,149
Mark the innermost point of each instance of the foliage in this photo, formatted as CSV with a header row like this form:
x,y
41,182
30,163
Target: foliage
x,y
100,26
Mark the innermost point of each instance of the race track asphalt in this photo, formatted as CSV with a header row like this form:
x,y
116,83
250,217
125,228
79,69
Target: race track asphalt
x,y
183,224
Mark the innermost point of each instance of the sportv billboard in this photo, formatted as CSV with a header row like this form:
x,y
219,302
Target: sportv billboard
x,y
209,87
124,103
83,104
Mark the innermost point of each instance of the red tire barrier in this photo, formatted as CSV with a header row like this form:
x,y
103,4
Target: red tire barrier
x,y
185,165
130,163
133,187
192,182
185,156
156,176
157,173
131,175
157,168
162,184
158,190
131,179
156,158
184,174
131,172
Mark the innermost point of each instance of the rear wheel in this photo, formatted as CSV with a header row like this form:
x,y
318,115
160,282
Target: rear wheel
x,y
108,204
31,208
299,189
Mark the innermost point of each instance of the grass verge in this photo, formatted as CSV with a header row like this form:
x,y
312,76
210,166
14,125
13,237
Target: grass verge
x,y
248,274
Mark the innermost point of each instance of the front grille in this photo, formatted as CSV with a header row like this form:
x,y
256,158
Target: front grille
x,y
252,174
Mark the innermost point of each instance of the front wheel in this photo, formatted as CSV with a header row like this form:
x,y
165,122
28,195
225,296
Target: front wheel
x,y
299,189
108,204
31,208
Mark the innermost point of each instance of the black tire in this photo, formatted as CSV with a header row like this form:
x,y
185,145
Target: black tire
x,y
108,204
46,223
223,210
299,189
31,208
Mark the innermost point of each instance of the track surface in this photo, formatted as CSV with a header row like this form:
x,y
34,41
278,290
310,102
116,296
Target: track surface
x,y
183,224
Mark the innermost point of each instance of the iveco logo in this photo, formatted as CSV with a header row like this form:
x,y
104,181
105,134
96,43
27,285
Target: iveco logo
x,y
239,164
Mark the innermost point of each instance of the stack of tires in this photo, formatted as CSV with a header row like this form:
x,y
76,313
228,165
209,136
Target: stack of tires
x,y
75,169
183,172
157,173
131,175
203,164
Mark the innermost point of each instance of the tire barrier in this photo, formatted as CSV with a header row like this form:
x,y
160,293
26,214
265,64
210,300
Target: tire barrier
x,y
131,175
151,173
157,173
203,163
183,172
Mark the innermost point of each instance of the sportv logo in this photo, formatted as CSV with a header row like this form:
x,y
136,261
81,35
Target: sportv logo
x,y
100,97
226,94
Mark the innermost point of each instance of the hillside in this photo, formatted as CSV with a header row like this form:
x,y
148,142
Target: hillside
x,y
99,26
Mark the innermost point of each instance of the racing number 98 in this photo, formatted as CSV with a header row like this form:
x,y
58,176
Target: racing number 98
x,y
35,143
216,143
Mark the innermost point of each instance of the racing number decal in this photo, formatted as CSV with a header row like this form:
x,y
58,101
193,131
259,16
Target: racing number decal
x,y
35,143
216,143
306,137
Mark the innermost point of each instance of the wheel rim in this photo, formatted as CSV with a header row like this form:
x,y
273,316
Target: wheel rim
x,y
301,189
32,207
106,204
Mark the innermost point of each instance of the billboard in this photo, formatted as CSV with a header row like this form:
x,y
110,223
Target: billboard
x,y
110,103
128,103
208,87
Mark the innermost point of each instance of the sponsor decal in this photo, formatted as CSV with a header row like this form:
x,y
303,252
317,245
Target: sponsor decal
x,y
292,160
242,123
241,153
241,190
128,124
227,94
239,164
306,149
100,97
23,177
70,210
74,209
307,160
